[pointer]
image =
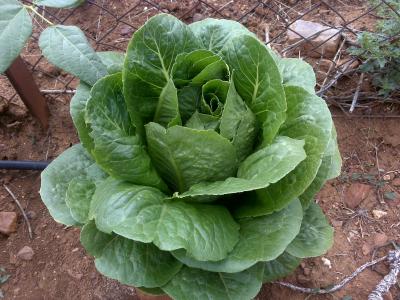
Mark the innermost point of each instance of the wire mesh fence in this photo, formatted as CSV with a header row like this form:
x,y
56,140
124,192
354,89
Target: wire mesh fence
x,y
320,31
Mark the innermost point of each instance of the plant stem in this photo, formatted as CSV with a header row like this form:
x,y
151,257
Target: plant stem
x,y
33,9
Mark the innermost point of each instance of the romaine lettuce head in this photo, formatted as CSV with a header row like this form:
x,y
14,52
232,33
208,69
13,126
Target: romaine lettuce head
x,y
201,152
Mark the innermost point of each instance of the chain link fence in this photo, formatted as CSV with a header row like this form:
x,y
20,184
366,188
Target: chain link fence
x,y
319,31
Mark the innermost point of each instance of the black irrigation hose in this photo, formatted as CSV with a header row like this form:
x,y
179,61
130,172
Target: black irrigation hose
x,y
23,165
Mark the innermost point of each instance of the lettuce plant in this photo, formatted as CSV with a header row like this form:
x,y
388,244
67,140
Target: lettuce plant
x,y
201,151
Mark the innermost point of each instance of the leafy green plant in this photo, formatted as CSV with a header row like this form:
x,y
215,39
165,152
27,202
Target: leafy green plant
x,y
201,151
380,50
16,25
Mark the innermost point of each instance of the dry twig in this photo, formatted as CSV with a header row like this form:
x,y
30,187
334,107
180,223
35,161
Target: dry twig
x,y
355,98
28,224
336,287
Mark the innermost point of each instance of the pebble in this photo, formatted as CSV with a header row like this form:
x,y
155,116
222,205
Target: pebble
x,y
8,222
386,177
326,262
26,253
356,193
380,239
31,215
126,30
378,213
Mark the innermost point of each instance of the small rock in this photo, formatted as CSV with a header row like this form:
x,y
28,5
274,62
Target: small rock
x,y
198,17
356,193
26,253
31,215
378,213
8,222
380,239
307,271
396,181
386,177
328,37
366,249
326,262
126,30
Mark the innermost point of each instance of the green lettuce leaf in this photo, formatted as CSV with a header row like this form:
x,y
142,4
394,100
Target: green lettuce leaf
x,y
185,156
280,267
296,72
238,123
214,33
117,149
15,29
74,162
206,232
261,239
148,64
329,168
308,118
198,67
260,169
315,237
113,60
258,82
67,48
78,111
198,285
129,262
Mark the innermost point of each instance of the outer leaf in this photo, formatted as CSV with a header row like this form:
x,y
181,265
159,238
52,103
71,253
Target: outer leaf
x,y
259,170
151,54
116,147
68,48
261,239
167,111
329,168
93,240
129,262
15,29
79,195
214,33
78,111
315,237
296,72
140,213
198,285
185,156
60,3
280,267
238,123
258,82
113,60
72,163
308,118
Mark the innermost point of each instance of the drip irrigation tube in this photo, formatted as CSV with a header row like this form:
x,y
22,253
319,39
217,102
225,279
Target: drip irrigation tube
x,y
23,165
